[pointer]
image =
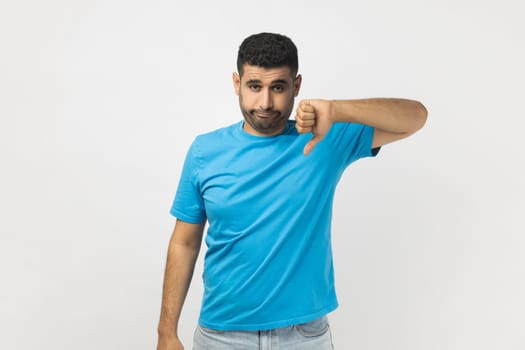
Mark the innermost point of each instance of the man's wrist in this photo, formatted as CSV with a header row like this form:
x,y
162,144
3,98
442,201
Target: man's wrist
x,y
342,111
166,330
335,111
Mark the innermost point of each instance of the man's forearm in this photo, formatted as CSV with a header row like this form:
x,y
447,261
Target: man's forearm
x,y
389,114
177,277
392,118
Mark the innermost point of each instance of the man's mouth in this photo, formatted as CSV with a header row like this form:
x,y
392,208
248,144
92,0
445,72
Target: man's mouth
x,y
265,115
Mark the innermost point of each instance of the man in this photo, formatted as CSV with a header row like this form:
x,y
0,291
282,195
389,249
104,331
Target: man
x,y
266,186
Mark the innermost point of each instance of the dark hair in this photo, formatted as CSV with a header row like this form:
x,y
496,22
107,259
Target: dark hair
x,y
268,50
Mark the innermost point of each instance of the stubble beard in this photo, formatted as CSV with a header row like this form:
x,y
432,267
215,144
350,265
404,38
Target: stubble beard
x,y
271,125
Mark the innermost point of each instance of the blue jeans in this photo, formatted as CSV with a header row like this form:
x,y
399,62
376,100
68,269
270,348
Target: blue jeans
x,y
313,335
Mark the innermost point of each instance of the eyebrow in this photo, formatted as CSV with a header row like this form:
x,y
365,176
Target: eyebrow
x,y
257,81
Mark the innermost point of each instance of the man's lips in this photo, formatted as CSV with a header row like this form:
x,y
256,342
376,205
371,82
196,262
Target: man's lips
x,y
265,115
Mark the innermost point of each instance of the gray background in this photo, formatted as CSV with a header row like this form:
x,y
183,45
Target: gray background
x,y
99,101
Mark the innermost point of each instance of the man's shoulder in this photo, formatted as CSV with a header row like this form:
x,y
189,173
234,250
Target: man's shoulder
x,y
222,132
214,140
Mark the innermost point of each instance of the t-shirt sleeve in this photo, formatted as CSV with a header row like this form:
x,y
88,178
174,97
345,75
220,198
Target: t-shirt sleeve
x,y
188,204
354,141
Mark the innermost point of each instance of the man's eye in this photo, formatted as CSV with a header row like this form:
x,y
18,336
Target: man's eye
x,y
278,88
255,87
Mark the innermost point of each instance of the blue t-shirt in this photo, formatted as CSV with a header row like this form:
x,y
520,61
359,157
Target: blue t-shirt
x,y
269,207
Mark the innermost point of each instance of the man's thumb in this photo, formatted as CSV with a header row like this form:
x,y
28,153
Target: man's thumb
x,y
311,144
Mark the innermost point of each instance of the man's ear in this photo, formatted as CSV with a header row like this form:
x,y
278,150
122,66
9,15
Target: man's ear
x,y
297,84
236,82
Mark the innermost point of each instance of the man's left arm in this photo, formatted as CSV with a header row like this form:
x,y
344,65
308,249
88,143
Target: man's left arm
x,y
392,118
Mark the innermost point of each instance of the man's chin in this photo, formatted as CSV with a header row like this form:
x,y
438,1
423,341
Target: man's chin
x,y
268,128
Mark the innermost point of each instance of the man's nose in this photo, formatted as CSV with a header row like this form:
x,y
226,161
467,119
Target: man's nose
x,y
266,101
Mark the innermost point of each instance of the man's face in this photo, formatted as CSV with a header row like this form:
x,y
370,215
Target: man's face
x,y
266,98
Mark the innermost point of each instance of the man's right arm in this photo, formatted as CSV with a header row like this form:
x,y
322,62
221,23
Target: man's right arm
x,y
183,251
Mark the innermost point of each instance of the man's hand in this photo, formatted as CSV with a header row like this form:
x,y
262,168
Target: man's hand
x,y
169,342
315,116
